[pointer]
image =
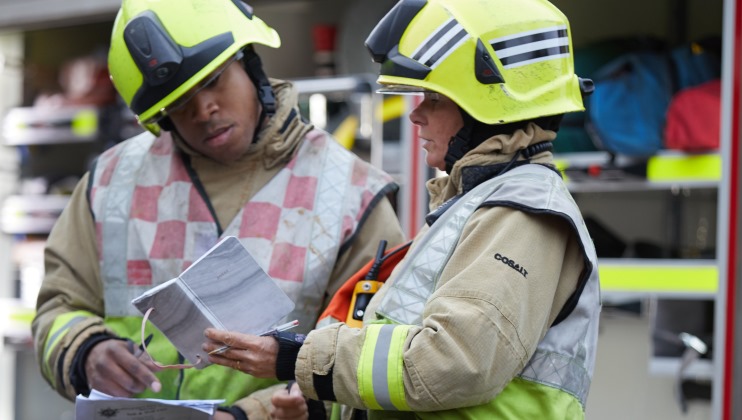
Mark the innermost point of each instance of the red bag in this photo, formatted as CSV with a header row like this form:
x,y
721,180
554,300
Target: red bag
x,y
693,121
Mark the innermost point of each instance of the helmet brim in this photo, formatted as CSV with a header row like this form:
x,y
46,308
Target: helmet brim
x,y
401,90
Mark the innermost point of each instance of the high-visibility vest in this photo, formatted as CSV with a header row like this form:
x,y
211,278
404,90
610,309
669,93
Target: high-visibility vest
x,y
555,382
154,222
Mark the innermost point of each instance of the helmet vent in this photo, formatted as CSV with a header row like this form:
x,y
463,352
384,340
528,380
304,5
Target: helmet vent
x,y
154,52
485,68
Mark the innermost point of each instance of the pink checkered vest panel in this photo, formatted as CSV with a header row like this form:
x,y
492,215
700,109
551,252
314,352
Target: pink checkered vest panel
x,y
152,223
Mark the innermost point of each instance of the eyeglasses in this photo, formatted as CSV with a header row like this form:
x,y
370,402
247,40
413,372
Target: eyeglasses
x,y
179,103
432,96
158,364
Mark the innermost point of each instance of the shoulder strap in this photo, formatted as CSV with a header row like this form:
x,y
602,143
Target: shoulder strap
x,y
340,304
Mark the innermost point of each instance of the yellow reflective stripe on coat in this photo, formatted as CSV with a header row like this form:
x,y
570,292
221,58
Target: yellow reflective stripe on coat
x,y
59,329
381,367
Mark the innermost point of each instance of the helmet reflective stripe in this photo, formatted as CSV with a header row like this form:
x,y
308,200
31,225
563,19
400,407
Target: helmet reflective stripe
x,y
522,46
531,47
381,367
441,43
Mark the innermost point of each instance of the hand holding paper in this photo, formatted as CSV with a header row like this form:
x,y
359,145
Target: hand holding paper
x,y
225,289
252,354
113,367
282,327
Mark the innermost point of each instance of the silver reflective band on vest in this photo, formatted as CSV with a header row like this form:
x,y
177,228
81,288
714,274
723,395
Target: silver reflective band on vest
x,y
115,217
565,357
404,301
326,232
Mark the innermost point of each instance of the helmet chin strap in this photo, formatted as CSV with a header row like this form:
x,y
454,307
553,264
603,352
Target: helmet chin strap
x,y
472,134
459,144
254,68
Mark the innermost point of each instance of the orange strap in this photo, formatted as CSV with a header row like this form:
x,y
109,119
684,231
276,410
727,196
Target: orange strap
x,y
340,303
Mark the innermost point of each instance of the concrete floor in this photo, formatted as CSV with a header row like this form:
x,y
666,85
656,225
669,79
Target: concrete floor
x,y
622,386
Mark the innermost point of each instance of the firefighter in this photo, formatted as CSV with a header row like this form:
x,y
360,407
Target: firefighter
x,y
225,153
493,312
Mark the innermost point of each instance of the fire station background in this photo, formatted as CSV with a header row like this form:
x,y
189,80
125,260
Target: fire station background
x,y
658,221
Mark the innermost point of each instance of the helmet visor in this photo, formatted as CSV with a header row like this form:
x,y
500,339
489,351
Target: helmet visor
x,y
181,102
402,90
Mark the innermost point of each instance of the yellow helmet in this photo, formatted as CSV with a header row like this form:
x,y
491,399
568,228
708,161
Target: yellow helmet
x,y
162,49
501,61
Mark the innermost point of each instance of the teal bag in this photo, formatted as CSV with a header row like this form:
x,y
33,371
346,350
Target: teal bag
x,y
588,60
626,114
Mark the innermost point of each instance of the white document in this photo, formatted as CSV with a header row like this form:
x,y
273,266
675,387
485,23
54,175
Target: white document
x,y
100,406
224,289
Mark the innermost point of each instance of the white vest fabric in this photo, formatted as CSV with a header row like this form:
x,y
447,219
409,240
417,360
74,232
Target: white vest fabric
x,y
152,222
565,357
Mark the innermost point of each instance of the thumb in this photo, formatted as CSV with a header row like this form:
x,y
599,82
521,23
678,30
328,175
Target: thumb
x,y
295,390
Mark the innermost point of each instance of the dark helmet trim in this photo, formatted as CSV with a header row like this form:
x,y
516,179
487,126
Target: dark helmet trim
x,y
389,30
484,67
399,65
245,8
194,60
153,50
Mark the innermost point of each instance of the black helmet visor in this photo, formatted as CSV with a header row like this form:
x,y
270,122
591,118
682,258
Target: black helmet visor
x,y
383,42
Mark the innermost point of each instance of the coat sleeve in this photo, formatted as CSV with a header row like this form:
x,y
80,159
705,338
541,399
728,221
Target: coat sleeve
x,y
69,307
480,326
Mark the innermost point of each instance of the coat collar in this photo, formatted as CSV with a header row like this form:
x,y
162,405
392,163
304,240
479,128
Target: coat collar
x,y
483,162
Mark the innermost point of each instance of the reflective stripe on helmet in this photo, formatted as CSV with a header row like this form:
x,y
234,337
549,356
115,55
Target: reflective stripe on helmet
x,y
441,43
500,61
532,46
381,367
